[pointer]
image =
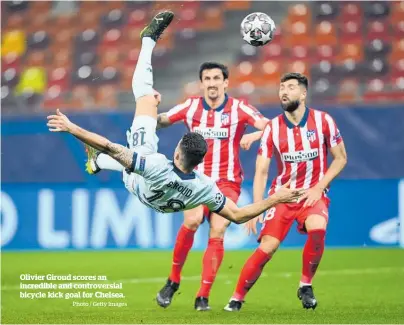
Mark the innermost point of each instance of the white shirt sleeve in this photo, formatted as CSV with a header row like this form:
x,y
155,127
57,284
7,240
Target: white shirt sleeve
x,y
215,200
150,167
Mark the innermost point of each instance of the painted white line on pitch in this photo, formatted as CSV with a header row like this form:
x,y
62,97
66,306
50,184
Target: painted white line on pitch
x,y
227,276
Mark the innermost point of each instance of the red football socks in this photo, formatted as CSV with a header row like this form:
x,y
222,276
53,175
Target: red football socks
x,y
211,263
183,244
250,273
312,253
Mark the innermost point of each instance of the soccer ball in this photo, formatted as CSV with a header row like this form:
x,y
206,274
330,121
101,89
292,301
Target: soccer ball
x,y
257,29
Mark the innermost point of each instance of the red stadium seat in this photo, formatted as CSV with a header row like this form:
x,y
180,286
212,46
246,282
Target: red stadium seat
x,y
15,21
299,12
378,29
40,7
397,11
212,19
351,12
236,5
298,34
325,33
106,97
187,18
271,70
376,91
59,77
324,52
299,66
111,38
398,30
299,52
116,4
126,79
137,18
398,68
273,51
351,31
397,52
348,91
36,59
82,95
353,51
54,98
10,60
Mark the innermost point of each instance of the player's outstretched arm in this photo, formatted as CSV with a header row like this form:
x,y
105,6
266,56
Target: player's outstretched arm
x,y
238,215
163,121
61,123
248,139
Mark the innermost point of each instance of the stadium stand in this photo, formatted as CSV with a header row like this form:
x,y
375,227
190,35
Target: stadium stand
x,y
81,55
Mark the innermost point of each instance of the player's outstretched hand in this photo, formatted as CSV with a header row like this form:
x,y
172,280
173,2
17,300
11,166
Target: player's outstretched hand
x,y
285,194
59,122
247,140
312,196
251,226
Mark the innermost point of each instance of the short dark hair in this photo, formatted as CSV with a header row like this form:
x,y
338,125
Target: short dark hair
x,y
301,79
193,147
214,65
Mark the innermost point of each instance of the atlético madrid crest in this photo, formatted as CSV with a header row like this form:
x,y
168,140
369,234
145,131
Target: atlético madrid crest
x,y
311,135
225,118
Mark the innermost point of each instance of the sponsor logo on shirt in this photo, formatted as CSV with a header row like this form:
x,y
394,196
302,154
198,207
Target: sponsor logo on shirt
x,y
212,133
300,156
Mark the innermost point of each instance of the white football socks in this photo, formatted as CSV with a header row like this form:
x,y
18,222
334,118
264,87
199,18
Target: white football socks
x,y
142,81
106,162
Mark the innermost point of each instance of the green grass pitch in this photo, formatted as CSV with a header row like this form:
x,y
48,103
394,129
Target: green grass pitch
x,y
352,286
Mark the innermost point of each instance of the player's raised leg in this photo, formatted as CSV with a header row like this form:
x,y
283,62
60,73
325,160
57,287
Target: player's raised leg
x,y
315,225
97,161
142,82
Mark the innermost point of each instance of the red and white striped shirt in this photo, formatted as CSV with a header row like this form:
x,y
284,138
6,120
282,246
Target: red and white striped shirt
x,y
222,129
300,151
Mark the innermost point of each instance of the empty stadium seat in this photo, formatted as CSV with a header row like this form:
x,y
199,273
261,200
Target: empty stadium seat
x,y
10,77
340,46
13,42
32,80
113,19
377,9
326,10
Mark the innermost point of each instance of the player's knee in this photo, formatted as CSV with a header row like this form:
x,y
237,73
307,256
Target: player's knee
x,y
269,244
315,221
141,89
217,232
193,222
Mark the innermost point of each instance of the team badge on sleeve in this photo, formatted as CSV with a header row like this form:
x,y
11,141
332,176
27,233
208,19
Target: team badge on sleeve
x,y
219,198
142,164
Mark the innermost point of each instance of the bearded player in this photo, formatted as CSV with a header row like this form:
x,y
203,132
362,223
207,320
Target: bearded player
x,y
300,139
